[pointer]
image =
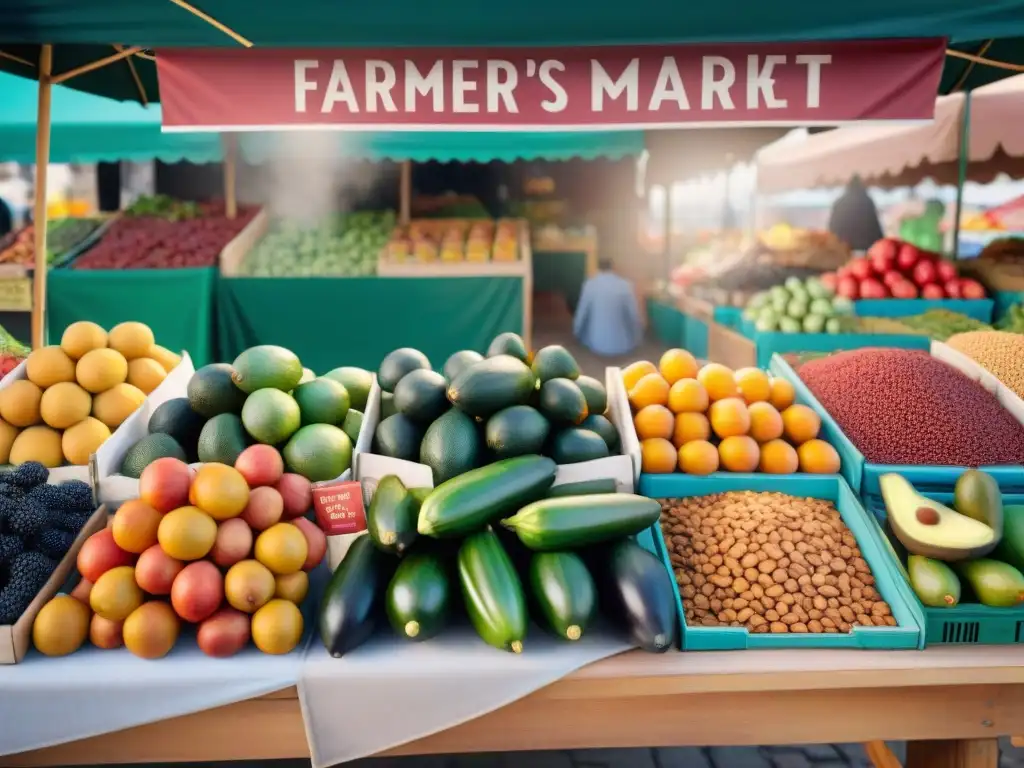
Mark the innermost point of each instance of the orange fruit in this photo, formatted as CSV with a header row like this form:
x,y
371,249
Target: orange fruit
x,y
690,426
698,457
677,364
718,381
633,372
765,422
783,394
778,458
657,456
687,396
220,491
654,421
729,417
800,424
739,453
818,458
754,384
650,390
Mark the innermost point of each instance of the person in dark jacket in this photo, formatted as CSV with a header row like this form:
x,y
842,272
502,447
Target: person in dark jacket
x,y
854,217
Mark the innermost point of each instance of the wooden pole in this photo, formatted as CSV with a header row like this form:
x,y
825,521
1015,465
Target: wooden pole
x,y
230,175
405,193
39,217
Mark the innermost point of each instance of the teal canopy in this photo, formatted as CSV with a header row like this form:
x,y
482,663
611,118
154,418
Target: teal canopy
x,y
91,129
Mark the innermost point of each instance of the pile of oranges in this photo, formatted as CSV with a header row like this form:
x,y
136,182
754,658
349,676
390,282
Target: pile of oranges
x,y
701,420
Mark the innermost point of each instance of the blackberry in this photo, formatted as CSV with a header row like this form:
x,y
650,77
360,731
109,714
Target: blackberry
x,y
10,547
28,520
76,496
55,543
72,522
29,475
28,574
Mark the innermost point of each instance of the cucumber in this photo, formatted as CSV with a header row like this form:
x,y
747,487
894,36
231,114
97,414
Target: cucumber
x,y
578,521
492,592
564,591
351,604
391,519
637,594
419,597
583,488
470,501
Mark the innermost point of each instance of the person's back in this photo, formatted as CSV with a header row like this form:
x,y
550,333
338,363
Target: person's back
x,y
854,217
607,319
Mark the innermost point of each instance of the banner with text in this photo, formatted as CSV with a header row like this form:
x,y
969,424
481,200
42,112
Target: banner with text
x,y
588,88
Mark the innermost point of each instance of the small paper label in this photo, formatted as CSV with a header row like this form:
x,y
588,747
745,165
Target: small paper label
x,y
339,508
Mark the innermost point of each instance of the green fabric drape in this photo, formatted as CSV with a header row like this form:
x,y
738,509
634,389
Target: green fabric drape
x,y
562,272
667,324
329,322
178,304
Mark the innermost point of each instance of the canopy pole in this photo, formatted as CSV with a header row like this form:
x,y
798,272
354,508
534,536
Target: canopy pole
x,y
965,153
405,193
98,64
39,217
230,175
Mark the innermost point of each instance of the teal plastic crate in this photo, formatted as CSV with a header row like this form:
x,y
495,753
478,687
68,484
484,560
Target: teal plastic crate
x,y
776,343
695,336
863,475
979,309
966,623
666,322
888,581
1004,300
730,317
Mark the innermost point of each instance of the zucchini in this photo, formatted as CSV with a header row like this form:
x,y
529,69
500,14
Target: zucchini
x,y
419,597
470,501
637,594
492,592
491,385
351,604
564,591
583,488
578,521
391,519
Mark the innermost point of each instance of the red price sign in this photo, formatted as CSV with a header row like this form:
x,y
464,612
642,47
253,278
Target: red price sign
x,y
339,508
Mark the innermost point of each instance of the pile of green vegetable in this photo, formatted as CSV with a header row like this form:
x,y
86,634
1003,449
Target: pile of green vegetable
x,y
164,207
62,235
938,324
1013,320
800,306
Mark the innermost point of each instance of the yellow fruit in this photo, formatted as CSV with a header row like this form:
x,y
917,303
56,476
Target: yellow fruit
x,y
818,458
688,396
82,337
101,369
690,426
729,417
739,454
765,422
48,366
187,533
293,587
677,364
220,491
800,423
650,390
783,394
248,585
61,626
277,627
633,372
718,381
135,526
282,548
653,421
778,458
754,385
657,456
117,404
81,441
19,403
64,404
151,631
115,594
698,457
146,374
167,359
40,444
131,339
7,435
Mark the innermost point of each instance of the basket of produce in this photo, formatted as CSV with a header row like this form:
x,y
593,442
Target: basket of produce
x,y
65,239
999,353
938,324
904,411
429,241
815,576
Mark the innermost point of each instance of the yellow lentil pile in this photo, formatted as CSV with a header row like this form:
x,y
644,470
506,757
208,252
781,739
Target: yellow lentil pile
x,y
999,352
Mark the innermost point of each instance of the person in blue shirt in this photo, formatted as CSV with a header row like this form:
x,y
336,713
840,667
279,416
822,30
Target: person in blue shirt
x,y
607,319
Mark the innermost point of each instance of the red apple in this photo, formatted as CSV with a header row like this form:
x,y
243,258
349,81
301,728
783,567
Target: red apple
x,y
882,255
830,280
848,287
843,271
892,276
908,256
953,288
925,272
873,289
932,291
971,289
860,268
946,271
904,289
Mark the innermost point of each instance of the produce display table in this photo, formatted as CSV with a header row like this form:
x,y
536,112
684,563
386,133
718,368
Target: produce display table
x,y
561,272
665,321
951,703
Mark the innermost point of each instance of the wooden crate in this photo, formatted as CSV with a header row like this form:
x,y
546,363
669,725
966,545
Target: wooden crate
x,y
730,347
234,253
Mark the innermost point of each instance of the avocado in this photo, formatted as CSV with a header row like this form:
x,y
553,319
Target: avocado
x,y
318,452
933,582
397,364
930,529
451,446
356,381
387,405
554,362
491,385
222,439
563,402
996,584
594,391
459,362
516,431
575,445
147,450
421,396
353,424
176,418
271,416
212,392
509,344
1011,548
399,437
600,424
267,367
977,495
322,401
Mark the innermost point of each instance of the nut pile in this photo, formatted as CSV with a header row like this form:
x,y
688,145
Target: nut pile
x,y
999,352
769,562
